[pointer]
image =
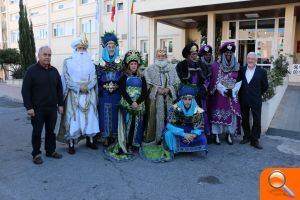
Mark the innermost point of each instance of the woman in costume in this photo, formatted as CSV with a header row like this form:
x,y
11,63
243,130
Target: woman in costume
x,y
133,88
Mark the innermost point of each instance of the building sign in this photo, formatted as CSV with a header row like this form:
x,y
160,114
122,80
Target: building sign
x,y
296,69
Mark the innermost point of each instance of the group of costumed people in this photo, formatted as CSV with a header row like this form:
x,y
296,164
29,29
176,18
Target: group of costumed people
x,y
169,109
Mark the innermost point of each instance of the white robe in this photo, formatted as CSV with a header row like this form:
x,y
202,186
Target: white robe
x,y
80,112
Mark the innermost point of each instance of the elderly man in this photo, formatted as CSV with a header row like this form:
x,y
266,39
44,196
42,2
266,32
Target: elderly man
x,y
79,83
42,96
163,81
109,72
254,85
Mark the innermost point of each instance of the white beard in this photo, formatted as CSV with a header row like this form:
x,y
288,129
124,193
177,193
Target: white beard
x,y
81,67
161,64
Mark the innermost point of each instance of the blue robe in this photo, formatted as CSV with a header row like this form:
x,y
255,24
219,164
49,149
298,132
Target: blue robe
x,y
109,72
181,121
133,89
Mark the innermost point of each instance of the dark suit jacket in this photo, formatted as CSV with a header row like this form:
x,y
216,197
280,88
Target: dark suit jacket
x,y
251,94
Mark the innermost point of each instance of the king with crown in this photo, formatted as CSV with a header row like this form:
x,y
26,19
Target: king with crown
x,y
109,72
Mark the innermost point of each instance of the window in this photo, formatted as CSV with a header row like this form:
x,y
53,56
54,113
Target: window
x,y
14,17
88,25
13,1
41,34
167,44
232,30
62,5
87,1
108,8
281,28
144,46
247,29
280,39
14,36
120,6
37,11
265,28
63,29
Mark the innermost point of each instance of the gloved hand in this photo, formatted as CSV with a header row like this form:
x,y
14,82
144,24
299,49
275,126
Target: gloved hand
x,y
228,93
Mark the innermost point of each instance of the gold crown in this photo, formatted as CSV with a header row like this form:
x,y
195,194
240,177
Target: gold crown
x,y
161,52
83,42
193,48
133,55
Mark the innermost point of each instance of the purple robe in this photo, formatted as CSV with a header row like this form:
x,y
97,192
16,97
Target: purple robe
x,y
221,108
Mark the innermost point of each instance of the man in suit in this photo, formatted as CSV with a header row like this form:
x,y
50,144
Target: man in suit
x,y
254,85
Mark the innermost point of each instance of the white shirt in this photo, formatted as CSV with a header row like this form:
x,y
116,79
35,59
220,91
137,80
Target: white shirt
x,y
249,74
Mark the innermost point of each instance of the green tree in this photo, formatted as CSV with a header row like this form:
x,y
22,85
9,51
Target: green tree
x,y
10,61
26,40
32,38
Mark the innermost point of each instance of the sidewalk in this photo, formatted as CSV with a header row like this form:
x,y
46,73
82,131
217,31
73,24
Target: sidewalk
x,y
11,92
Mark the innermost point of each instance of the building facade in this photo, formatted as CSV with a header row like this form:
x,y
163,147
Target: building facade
x,y
269,27
57,22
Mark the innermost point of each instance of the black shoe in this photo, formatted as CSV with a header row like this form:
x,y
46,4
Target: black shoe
x,y
91,145
37,160
120,152
228,141
209,139
54,155
256,145
71,150
244,141
111,140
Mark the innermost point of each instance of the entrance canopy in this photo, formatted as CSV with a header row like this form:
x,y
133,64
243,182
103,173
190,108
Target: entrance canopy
x,y
189,14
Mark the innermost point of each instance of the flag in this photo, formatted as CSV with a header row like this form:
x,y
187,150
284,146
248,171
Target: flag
x,y
132,8
113,11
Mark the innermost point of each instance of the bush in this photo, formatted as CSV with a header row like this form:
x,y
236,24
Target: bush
x,y
276,75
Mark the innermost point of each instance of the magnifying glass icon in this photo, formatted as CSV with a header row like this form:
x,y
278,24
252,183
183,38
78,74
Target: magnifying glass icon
x,y
277,180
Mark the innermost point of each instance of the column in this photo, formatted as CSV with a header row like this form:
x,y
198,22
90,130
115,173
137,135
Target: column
x,y
289,33
152,39
211,29
289,29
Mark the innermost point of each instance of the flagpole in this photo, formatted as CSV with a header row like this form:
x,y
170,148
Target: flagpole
x,y
116,18
99,27
136,33
129,24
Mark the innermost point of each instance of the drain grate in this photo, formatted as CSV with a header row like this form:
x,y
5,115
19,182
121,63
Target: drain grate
x,y
209,179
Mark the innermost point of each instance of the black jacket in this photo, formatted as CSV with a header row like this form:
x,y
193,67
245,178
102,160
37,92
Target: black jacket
x,y
251,94
183,73
42,87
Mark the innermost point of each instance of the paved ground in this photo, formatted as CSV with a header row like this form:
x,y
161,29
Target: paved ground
x,y
228,173
286,121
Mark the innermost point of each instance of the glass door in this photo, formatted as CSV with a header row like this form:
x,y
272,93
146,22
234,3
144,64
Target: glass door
x,y
264,49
